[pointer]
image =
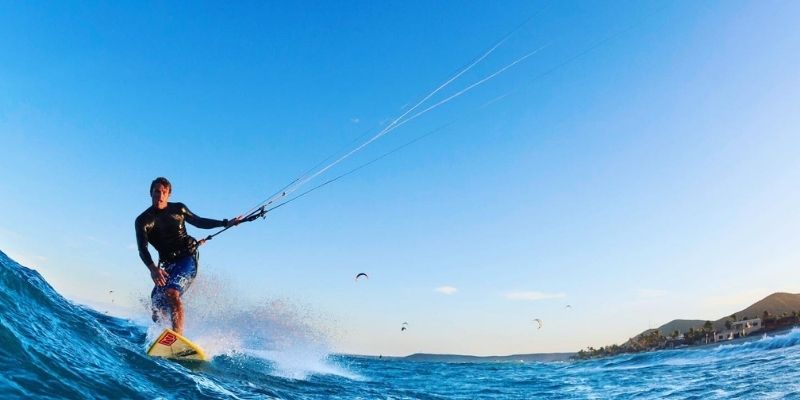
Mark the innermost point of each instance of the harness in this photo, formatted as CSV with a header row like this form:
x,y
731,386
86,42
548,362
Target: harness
x,y
190,250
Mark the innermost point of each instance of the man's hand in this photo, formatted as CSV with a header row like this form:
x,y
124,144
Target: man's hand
x,y
159,276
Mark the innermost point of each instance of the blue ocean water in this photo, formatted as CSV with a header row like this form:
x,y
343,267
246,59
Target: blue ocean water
x,y
50,347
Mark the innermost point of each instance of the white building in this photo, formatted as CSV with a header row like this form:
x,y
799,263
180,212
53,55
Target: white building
x,y
739,329
724,335
747,326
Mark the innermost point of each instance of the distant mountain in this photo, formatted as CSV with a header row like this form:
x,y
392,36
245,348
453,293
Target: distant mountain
x,y
681,325
775,304
455,358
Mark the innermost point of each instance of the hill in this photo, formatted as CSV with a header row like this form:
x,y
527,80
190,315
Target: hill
x,y
775,304
680,325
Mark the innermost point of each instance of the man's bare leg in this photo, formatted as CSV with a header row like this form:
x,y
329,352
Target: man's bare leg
x,y
174,299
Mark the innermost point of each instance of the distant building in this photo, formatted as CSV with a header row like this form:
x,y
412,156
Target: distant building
x,y
747,326
724,335
739,329
672,343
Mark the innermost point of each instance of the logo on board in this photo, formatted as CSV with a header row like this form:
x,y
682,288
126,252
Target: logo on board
x,y
168,339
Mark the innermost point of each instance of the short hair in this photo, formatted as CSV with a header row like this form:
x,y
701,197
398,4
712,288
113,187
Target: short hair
x,y
161,180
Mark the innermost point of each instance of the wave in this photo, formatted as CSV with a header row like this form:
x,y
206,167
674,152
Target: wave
x,y
50,346
280,348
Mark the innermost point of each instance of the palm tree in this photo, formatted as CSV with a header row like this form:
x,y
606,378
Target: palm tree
x,y
690,335
708,327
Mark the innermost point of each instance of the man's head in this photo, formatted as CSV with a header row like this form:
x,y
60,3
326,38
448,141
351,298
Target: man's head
x,y
160,189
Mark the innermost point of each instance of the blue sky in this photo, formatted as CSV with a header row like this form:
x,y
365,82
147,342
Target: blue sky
x,y
653,177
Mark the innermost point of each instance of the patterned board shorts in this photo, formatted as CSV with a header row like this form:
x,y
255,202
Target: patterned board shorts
x,y
181,273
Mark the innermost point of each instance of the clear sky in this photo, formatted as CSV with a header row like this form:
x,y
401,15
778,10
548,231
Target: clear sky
x,y
642,166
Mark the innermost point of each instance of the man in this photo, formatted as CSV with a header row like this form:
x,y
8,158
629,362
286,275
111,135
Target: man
x,y
162,225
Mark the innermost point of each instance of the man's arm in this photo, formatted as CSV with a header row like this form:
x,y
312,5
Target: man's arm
x,y
157,274
141,243
200,222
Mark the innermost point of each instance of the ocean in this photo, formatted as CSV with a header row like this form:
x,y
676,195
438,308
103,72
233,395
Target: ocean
x,y
53,348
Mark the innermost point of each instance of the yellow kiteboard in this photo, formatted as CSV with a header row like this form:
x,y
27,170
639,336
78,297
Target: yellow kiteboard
x,y
175,347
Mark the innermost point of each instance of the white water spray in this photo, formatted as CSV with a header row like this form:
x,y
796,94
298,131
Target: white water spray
x,y
294,339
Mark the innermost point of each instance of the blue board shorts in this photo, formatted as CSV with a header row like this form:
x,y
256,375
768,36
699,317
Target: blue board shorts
x,y
180,274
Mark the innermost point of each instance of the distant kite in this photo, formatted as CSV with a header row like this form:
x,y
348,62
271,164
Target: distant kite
x,y
540,323
360,275
402,329
405,323
569,306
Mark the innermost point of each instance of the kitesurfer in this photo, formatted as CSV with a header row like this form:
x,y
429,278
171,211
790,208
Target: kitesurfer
x,y
163,226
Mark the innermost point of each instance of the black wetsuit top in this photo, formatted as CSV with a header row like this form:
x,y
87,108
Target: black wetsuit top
x,y
166,231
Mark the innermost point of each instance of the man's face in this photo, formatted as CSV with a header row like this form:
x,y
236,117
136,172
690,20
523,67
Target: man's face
x,y
160,195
